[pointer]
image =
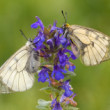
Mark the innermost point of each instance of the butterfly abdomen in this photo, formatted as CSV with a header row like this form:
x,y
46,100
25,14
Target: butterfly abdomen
x,y
33,62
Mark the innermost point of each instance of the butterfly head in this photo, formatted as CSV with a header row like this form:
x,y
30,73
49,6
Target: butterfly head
x,y
65,26
30,43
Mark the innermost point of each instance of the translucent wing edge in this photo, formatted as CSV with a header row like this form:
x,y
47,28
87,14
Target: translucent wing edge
x,y
6,63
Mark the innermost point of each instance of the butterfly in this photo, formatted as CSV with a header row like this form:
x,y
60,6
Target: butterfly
x,y
16,74
93,46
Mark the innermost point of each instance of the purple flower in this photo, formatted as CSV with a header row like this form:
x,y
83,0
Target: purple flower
x,y
71,68
40,38
56,105
38,23
57,72
63,58
50,43
53,102
43,53
66,86
66,43
43,74
53,27
57,40
63,40
62,99
60,30
68,92
71,53
70,100
38,41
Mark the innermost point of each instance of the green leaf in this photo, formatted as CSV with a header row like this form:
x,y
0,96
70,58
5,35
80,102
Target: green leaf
x,y
71,108
44,102
45,88
46,63
50,89
71,73
42,107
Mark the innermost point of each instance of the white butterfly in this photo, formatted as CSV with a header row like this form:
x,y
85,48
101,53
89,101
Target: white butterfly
x,y
16,74
92,45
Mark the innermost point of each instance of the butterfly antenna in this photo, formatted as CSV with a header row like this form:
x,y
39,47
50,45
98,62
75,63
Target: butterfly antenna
x,y
22,33
65,16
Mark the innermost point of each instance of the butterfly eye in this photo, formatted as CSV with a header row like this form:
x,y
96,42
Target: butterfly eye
x,y
63,27
30,40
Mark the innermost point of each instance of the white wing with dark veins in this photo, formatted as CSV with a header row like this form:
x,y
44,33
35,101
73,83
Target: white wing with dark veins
x,y
13,74
94,46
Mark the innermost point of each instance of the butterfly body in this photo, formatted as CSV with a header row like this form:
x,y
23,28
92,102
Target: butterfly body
x,y
92,45
16,74
32,62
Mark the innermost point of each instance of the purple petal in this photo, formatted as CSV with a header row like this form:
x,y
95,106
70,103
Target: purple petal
x,y
38,23
53,27
66,86
34,25
59,75
63,40
71,68
43,75
68,92
50,43
57,106
53,102
64,71
62,98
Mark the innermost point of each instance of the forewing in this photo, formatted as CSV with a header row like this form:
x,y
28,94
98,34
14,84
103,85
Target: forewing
x,y
13,74
94,46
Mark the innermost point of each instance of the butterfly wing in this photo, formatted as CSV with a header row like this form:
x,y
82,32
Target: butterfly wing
x,y
4,88
13,74
94,46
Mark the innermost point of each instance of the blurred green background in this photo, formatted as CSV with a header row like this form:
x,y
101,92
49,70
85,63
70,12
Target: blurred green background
x,y
92,84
